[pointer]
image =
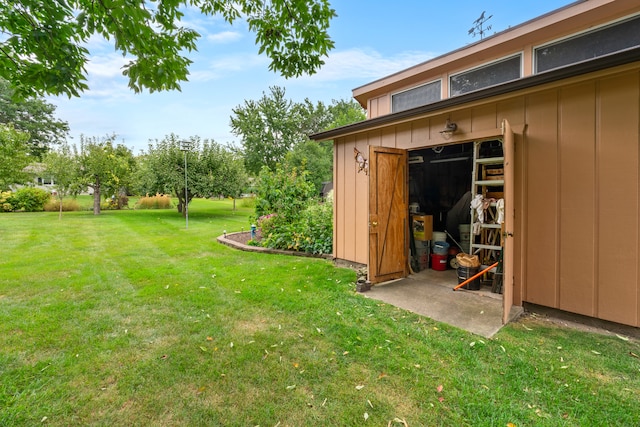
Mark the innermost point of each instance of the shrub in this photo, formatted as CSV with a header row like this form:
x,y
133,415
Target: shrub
x,y
248,202
159,201
6,201
311,232
284,193
68,205
30,199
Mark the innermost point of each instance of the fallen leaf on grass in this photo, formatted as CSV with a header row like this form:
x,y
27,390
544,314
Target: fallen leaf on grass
x,y
595,352
209,339
366,416
164,356
382,375
291,387
622,338
203,349
359,387
634,355
511,425
370,404
439,388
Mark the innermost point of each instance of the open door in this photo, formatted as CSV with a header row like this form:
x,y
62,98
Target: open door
x,y
509,215
388,214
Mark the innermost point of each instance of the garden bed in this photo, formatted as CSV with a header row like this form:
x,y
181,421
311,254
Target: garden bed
x,y
241,239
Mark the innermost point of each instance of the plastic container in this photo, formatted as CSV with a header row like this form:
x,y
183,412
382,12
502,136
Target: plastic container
x,y
441,248
423,261
439,262
465,236
438,236
466,272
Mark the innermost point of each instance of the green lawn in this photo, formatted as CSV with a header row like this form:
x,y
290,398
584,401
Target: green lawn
x,y
128,318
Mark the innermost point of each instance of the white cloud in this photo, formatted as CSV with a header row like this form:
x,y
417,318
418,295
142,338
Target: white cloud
x,y
364,64
224,37
109,65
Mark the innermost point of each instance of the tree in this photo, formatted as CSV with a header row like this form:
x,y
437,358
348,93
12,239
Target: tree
x,y
103,167
14,156
269,128
44,45
317,157
276,130
212,170
35,116
62,165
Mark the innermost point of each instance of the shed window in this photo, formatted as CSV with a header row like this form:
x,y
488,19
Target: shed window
x,y
613,38
491,74
421,95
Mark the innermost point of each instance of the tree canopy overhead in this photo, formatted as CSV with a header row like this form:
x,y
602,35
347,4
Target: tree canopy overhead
x,y
43,48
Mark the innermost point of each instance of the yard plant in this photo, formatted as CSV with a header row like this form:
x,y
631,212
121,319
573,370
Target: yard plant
x,y
129,318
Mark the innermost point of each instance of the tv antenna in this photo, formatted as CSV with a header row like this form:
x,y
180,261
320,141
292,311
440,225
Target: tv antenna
x,y
478,26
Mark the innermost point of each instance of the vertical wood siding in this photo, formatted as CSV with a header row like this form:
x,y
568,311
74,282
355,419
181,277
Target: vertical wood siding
x,y
577,191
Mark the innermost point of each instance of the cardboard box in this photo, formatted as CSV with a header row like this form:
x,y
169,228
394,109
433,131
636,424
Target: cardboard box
x,y
422,226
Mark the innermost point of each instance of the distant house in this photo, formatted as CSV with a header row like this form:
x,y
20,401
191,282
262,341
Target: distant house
x,y
41,179
549,111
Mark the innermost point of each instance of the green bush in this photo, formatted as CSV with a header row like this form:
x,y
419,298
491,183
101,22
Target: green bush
x,y
68,205
284,193
6,201
248,202
159,201
289,217
30,199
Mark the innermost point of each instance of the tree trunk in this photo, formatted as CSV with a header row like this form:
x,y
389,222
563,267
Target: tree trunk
x,y
60,214
96,198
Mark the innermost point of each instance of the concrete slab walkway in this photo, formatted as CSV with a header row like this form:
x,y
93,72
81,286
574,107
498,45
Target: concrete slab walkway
x,y
430,293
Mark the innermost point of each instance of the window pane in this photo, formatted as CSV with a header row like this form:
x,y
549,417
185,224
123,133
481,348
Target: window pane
x,y
416,97
600,42
490,75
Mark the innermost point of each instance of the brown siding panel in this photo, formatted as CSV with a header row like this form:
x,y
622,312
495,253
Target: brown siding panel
x,y
542,205
577,199
339,185
361,208
618,199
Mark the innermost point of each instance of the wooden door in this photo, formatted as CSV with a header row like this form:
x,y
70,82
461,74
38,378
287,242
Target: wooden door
x,y
509,216
388,214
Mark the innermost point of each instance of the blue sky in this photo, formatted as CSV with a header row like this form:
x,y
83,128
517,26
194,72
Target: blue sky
x,y
373,38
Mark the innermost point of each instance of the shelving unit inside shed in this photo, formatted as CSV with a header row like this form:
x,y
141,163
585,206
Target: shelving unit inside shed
x,y
488,181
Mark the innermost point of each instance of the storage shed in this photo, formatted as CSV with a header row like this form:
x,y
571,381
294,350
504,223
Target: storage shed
x,y
550,111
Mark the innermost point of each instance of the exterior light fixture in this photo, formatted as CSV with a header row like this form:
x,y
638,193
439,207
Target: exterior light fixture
x,y
449,129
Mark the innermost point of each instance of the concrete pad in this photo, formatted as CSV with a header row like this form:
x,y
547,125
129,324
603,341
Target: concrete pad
x,y
430,293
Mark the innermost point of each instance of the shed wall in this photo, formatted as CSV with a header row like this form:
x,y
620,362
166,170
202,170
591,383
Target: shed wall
x,y
577,193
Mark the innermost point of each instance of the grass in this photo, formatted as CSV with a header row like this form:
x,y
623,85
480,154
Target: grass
x,y
128,318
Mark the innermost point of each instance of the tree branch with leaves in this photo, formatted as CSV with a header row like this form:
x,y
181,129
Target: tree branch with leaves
x,y
44,48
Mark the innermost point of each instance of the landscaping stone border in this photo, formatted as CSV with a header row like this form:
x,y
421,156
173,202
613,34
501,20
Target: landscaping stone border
x,y
236,240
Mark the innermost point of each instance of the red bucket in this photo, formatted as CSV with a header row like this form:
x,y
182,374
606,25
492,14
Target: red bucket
x,y
439,262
